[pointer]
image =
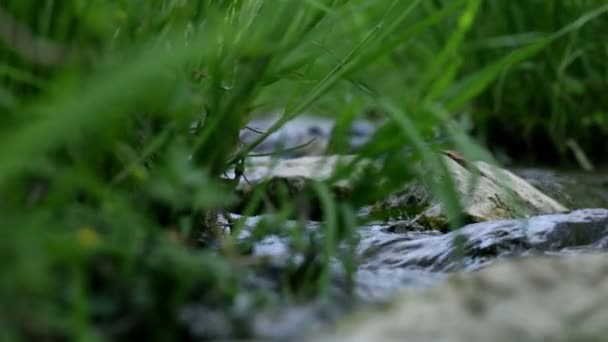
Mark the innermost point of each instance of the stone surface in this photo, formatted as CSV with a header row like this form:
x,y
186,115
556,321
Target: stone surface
x,y
497,194
288,181
532,299
310,167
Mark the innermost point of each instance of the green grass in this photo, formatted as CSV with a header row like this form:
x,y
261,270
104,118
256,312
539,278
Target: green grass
x,y
539,105
105,192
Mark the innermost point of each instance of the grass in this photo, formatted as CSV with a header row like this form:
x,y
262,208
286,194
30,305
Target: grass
x,y
108,198
568,79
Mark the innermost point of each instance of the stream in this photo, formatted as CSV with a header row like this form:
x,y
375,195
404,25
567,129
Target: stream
x,y
391,261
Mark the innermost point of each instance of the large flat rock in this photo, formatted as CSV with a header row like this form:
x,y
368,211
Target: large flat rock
x,y
486,192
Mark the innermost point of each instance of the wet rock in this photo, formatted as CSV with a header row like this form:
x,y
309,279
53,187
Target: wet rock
x,y
389,261
531,299
476,246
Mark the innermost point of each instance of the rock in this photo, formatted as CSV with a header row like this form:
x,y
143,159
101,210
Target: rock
x,y
388,261
289,180
318,168
535,202
387,255
531,299
498,194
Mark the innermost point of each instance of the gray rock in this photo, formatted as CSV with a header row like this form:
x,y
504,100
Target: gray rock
x,y
486,193
319,168
497,194
474,246
288,181
531,299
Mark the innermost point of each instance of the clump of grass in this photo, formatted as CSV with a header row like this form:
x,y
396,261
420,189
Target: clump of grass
x,y
120,117
539,110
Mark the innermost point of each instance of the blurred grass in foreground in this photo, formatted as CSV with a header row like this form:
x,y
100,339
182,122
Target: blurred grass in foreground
x,y
108,197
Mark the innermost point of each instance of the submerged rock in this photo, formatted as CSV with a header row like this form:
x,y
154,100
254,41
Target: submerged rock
x,y
532,299
318,168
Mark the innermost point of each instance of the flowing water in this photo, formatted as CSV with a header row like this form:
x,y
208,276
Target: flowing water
x,y
390,261
393,261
